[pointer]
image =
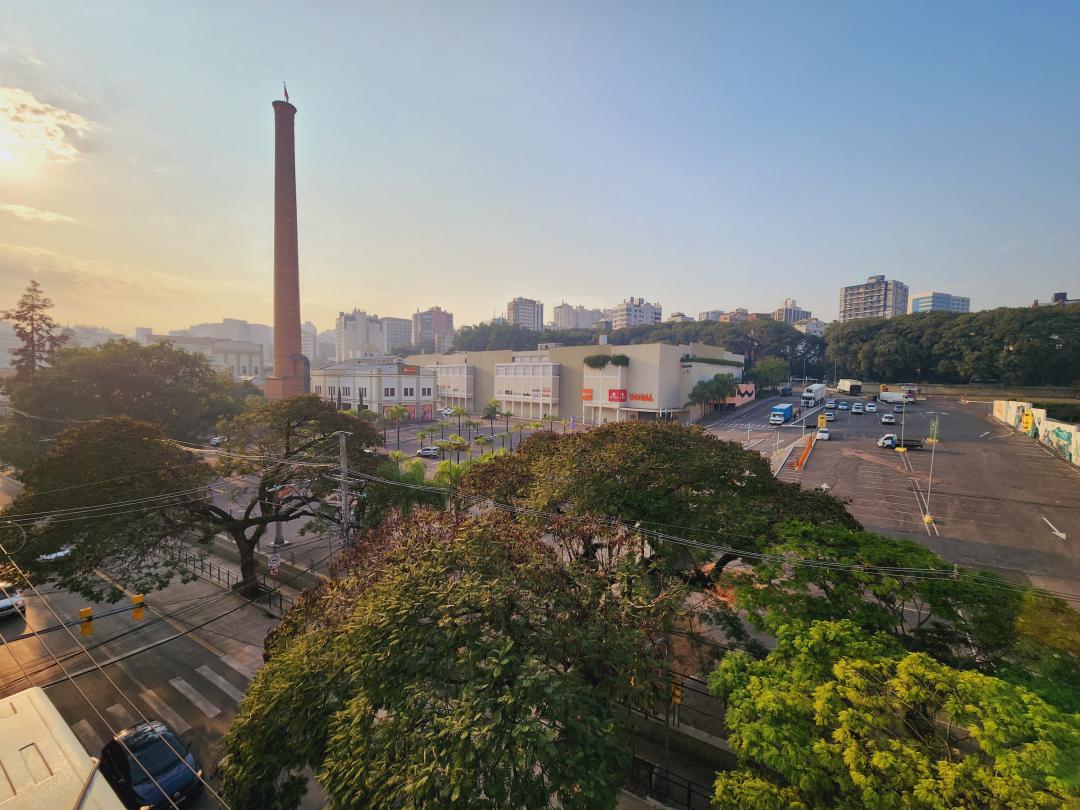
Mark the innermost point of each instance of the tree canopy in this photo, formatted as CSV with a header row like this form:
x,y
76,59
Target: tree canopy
x,y
456,662
836,718
1015,346
36,330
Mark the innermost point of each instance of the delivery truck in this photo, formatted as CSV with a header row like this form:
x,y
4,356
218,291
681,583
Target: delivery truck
x,y
813,395
781,414
849,387
896,397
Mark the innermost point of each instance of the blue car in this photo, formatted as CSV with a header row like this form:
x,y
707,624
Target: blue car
x,y
148,750
844,405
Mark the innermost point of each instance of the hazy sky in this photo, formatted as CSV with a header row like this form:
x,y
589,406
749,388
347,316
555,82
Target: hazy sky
x,y
703,155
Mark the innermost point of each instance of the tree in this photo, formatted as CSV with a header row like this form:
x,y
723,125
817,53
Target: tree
x,y
457,443
836,718
481,441
491,412
130,493
769,372
397,415
458,412
959,619
158,384
456,662
35,330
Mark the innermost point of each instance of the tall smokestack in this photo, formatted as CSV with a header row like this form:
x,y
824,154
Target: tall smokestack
x,y
290,367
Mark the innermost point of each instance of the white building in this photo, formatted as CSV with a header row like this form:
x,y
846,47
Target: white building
x,y
811,326
791,312
931,301
357,334
579,317
87,337
710,315
636,312
679,317
309,342
243,359
528,386
525,312
377,383
233,329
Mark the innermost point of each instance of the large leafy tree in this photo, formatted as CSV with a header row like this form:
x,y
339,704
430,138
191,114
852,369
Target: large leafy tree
x,y
959,618
35,329
131,492
455,662
769,372
158,384
835,718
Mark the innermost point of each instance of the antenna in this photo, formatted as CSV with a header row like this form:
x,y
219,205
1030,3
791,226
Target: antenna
x,y
286,89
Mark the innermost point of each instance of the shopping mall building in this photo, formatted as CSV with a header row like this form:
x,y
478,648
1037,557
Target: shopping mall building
x,y
376,383
591,384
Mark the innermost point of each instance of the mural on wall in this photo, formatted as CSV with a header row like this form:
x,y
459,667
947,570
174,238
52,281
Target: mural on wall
x,y
744,395
1061,438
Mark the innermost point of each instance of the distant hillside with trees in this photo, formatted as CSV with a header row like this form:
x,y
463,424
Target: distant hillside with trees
x,y
1017,346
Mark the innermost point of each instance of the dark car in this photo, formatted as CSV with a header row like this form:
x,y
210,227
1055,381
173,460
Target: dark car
x,y
160,755
785,392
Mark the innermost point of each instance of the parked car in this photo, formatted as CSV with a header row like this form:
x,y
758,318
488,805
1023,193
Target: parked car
x,y
146,750
830,416
831,404
11,600
857,407
215,441
844,405
428,452
898,408
871,407
785,392
888,419
823,434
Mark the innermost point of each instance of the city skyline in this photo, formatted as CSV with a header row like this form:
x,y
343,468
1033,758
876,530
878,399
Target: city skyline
x,y
140,200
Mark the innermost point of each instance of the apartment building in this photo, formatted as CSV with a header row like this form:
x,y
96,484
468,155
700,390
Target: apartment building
x,y
525,312
877,298
577,317
636,312
435,325
791,312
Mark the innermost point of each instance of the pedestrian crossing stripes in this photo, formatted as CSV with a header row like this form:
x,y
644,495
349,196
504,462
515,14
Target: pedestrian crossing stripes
x,y
223,685
162,709
195,696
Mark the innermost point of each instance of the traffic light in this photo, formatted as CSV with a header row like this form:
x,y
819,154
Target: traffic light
x,y
676,691
87,616
137,606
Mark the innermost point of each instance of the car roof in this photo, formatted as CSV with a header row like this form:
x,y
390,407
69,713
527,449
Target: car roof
x,y
143,733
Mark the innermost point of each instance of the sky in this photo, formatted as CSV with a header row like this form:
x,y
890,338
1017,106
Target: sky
x,y
706,155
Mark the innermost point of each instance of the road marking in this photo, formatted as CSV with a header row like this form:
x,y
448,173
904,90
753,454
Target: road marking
x,y
195,696
984,435
238,665
1054,529
1002,436
222,684
121,716
87,736
177,723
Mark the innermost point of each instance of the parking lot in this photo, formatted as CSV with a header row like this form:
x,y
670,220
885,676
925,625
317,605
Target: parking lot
x,y
997,499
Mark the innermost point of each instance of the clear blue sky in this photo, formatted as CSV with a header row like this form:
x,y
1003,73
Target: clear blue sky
x,y
705,155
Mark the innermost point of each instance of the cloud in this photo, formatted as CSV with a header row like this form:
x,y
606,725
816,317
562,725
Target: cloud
x,y
31,57
37,131
28,214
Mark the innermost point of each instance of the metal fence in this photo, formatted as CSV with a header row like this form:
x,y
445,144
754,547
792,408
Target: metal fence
x,y
649,779
207,569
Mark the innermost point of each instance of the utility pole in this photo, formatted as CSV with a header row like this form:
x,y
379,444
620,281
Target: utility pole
x,y
343,460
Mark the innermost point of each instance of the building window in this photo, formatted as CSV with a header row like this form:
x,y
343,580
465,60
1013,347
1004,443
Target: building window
x,y
363,393
345,390
318,389
388,392
255,370
425,392
408,392
331,390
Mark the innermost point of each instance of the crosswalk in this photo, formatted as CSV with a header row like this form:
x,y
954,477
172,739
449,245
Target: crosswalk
x,y
210,689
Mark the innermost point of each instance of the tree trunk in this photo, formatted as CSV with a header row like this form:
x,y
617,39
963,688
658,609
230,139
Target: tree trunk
x,y
249,575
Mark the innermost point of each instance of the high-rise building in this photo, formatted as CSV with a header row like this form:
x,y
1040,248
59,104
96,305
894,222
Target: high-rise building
x,y
358,334
309,342
142,334
397,333
877,298
790,312
434,324
571,317
291,370
636,312
525,312
710,315
938,302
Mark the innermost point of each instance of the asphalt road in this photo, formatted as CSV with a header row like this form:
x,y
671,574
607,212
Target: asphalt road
x,y
998,500
126,671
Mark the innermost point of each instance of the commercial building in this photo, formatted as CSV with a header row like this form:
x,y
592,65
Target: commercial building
x,y
525,312
735,316
591,384
357,334
791,312
243,359
309,342
1058,299
710,315
877,298
435,325
811,326
397,333
227,329
377,383
635,312
579,317
938,302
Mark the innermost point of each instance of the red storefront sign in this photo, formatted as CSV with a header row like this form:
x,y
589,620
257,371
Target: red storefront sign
x,y
586,395
616,395
644,397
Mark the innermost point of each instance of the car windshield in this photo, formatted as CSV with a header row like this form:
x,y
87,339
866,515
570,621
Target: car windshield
x,y
155,756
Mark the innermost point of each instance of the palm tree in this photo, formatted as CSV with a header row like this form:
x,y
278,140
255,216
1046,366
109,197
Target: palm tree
x,y
397,414
699,395
459,412
481,441
491,412
519,428
506,415
457,442
472,425
424,434
444,447
442,424
551,419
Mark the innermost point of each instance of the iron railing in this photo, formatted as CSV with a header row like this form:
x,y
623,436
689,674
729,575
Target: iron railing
x,y
649,779
207,569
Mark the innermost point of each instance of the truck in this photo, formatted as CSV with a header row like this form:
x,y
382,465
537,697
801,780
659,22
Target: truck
x,y
896,397
891,441
813,394
781,414
849,386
